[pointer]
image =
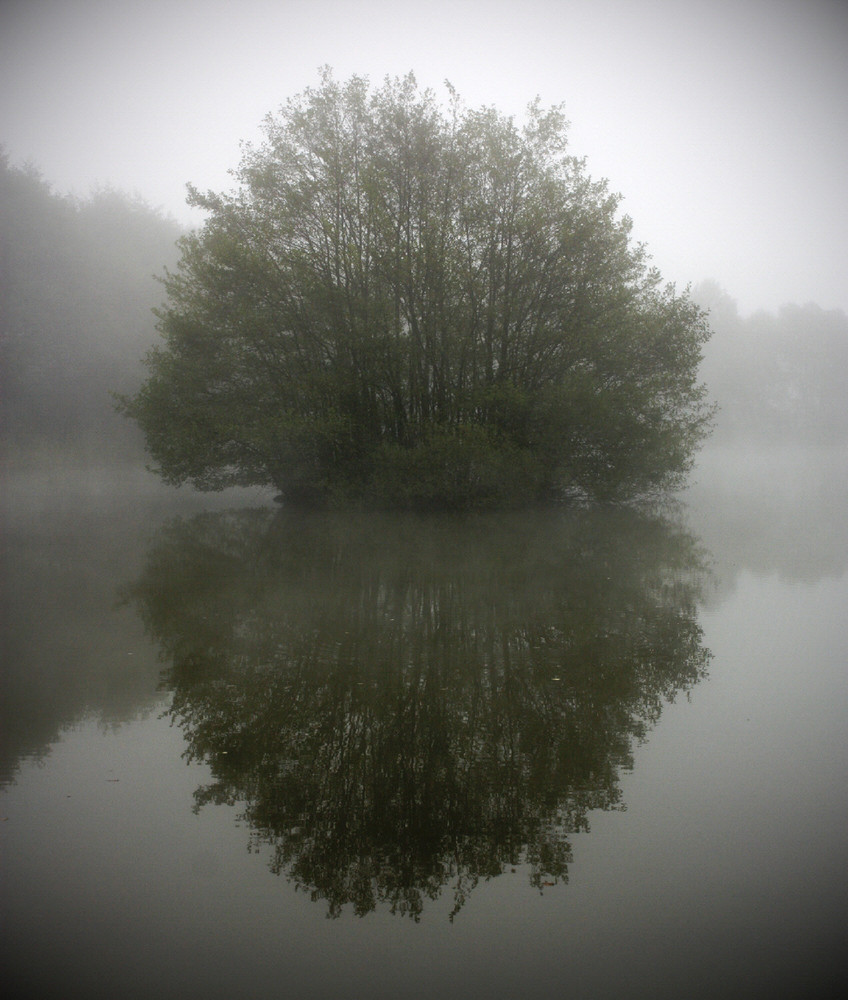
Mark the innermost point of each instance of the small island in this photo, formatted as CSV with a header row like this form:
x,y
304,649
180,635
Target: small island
x,y
407,303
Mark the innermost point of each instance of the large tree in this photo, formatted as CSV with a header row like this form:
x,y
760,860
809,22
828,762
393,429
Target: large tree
x,y
410,302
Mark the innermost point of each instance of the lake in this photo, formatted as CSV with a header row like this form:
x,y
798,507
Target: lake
x,y
585,753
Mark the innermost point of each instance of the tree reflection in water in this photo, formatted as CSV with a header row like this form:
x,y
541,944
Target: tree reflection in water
x,y
405,703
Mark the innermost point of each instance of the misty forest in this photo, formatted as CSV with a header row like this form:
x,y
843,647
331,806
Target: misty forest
x,y
502,592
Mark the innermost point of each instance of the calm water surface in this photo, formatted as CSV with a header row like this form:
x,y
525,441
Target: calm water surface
x,y
247,752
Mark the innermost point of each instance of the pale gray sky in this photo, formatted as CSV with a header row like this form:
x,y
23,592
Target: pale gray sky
x,y
724,123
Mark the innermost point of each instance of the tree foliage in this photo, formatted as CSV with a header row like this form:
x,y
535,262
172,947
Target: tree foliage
x,y
417,303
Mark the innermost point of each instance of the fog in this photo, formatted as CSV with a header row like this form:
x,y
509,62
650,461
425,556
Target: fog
x,y
768,495
723,124
77,312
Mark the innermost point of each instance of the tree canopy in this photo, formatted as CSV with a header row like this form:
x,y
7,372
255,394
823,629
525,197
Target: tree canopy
x,y
411,303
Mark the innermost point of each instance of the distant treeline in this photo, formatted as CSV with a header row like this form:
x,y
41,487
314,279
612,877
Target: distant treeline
x,y
776,378
77,288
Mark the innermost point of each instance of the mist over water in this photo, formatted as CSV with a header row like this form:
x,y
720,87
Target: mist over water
x,y
592,750
116,612
779,509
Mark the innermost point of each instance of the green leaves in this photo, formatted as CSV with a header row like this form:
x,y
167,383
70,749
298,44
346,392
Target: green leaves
x,y
435,280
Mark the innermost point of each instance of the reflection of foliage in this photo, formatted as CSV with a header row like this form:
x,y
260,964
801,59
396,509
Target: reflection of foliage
x,y
406,703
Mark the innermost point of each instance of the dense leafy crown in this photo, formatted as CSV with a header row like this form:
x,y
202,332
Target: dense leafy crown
x,y
408,302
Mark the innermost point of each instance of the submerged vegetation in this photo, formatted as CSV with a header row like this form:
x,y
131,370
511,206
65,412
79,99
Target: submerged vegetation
x,y
413,304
